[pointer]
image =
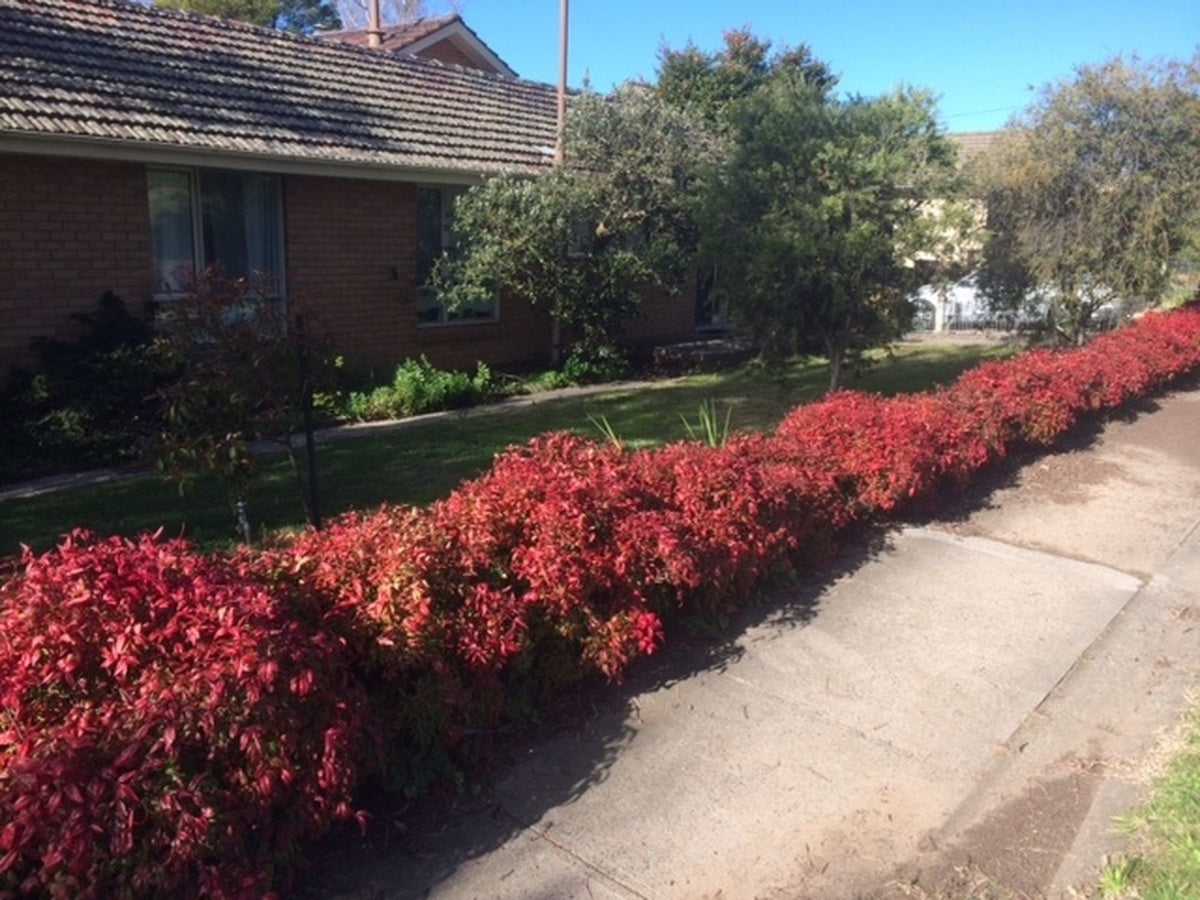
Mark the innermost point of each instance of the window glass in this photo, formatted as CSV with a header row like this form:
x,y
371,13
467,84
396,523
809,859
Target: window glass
x,y
211,217
171,240
435,235
239,223
429,232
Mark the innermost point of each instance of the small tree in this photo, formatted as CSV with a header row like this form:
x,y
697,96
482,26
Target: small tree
x,y
1093,192
248,372
584,239
818,214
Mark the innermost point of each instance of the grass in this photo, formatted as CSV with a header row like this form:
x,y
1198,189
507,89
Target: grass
x,y
422,463
1164,833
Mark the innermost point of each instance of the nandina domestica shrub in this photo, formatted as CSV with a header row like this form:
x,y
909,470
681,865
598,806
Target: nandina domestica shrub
x,y
1033,397
883,452
392,587
1037,396
169,725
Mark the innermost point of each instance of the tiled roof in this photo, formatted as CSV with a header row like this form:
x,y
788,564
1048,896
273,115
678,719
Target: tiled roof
x,y
399,38
111,73
972,144
395,37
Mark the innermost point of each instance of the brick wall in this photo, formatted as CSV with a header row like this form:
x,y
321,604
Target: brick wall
x,y
520,339
446,52
69,231
665,318
351,262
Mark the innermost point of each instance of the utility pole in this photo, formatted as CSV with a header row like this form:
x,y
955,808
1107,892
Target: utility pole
x,y
563,14
559,151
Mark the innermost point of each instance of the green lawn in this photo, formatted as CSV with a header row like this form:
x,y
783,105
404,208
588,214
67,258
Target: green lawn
x,y
1164,858
422,463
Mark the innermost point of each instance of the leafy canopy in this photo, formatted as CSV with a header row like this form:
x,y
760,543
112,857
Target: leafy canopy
x,y
708,84
585,239
817,214
1093,192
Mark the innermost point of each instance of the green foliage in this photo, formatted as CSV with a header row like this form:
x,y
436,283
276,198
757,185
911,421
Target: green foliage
x,y
89,402
585,239
302,16
1093,194
710,84
709,427
418,388
605,427
603,364
1165,832
817,213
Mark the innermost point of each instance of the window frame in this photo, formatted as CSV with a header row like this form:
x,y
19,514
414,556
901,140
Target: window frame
x,y
196,221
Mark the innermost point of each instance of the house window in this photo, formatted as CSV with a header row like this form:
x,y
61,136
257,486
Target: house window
x,y
209,217
435,237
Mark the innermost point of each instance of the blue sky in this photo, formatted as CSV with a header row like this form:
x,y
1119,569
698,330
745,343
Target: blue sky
x,y
984,59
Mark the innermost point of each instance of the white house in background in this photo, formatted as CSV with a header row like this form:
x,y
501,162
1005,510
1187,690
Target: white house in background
x,y
957,304
954,306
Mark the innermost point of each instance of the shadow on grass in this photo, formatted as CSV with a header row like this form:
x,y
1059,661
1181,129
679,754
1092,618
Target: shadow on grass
x,y
427,460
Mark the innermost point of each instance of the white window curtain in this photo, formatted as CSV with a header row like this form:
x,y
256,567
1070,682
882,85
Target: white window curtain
x,y
172,241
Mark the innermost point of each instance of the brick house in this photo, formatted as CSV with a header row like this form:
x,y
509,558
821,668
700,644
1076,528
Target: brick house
x,y
138,144
445,38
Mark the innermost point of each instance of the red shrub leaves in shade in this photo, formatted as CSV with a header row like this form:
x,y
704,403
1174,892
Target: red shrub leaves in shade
x,y
168,726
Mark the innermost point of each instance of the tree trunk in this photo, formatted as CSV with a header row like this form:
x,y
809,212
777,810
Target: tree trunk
x,y
836,350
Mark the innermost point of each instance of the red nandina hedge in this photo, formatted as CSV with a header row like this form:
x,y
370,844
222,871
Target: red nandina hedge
x,y
175,723
170,724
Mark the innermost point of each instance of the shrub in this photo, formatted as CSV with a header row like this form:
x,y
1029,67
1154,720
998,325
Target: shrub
x,y
882,453
172,724
418,387
599,365
248,367
90,401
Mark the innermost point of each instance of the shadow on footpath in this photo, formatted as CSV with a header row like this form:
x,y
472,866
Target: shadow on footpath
x,y
412,847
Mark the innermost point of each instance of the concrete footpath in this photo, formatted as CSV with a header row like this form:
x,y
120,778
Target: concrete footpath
x,y
957,711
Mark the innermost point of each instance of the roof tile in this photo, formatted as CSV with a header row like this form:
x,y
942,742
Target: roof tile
x,y
154,77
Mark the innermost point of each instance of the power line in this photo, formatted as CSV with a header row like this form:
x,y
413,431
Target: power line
x,y
981,112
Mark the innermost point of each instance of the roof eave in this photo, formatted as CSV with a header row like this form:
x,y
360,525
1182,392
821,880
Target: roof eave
x,y
167,155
